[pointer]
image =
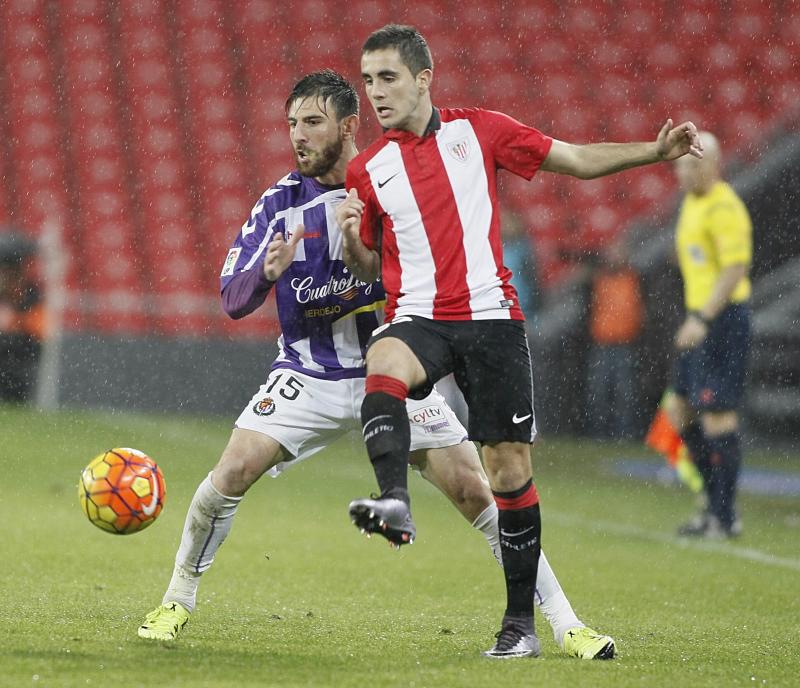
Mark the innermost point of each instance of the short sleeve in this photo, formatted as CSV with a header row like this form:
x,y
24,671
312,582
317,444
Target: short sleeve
x,y
516,147
356,178
730,230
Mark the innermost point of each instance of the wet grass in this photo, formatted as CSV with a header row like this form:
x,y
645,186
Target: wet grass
x,y
298,598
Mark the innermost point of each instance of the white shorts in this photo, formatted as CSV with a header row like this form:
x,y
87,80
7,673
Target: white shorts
x,y
305,414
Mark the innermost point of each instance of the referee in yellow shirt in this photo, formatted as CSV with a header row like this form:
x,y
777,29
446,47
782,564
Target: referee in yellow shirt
x,y
714,244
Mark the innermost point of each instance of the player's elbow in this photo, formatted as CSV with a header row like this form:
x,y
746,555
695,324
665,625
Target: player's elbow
x,y
367,275
737,271
234,313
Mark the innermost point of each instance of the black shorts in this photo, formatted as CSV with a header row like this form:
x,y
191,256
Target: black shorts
x,y
491,363
711,376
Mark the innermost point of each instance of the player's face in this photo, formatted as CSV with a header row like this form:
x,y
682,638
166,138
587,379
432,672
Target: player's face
x,y
316,136
395,94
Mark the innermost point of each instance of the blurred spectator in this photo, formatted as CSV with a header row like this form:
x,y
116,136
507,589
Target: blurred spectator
x,y
21,318
615,323
519,257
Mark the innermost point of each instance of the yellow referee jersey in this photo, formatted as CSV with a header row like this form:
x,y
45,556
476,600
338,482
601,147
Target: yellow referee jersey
x,y
714,232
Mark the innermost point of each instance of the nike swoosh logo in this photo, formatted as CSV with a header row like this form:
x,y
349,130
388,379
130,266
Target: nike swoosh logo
x,y
148,509
521,532
386,181
517,419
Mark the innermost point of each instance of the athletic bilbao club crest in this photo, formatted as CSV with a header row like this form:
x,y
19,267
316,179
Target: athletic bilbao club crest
x,y
459,150
264,407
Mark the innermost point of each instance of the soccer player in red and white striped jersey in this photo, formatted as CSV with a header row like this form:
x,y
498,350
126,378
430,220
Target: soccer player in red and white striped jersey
x,y
422,213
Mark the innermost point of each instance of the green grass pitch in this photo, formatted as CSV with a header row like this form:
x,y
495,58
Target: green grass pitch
x,y
298,598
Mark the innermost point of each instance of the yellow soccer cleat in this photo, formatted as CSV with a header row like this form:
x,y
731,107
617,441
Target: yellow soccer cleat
x,y
585,643
164,622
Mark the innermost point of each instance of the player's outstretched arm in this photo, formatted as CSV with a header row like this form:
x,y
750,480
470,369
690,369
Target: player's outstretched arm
x,y
363,262
280,253
591,160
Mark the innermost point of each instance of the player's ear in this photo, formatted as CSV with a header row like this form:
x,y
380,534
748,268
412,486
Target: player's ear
x,y
349,126
424,79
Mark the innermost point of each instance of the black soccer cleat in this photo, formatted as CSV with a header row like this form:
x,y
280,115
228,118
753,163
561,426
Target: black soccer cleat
x,y
386,516
515,640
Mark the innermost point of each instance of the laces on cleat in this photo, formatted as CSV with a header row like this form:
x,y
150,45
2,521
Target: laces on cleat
x,y
515,639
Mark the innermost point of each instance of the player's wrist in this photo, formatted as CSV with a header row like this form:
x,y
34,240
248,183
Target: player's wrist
x,y
268,277
698,315
658,151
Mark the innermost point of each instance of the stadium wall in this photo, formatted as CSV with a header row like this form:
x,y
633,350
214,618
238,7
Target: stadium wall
x,y
154,375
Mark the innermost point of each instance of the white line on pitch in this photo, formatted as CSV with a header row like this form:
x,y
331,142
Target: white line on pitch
x,y
719,547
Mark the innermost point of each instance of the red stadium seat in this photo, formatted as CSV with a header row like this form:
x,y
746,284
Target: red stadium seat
x,y
664,59
549,55
743,131
536,19
610,56
638,23
584,22
632,125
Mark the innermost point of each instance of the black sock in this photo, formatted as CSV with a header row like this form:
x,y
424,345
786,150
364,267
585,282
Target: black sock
x,y
697,444
520,524
726,461
388,437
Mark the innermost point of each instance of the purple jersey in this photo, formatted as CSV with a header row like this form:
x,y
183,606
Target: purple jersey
x,y
326,314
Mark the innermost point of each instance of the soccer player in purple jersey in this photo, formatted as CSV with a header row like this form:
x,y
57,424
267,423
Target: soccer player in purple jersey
x,y
291,245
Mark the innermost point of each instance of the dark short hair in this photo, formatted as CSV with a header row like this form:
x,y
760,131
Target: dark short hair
x,y
326,85
413,48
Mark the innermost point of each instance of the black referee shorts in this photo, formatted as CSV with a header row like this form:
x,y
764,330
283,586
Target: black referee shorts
x,y
712,375
491,363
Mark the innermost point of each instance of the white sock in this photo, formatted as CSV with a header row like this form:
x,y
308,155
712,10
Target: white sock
x,y
207,524
549,596
552,601
487,524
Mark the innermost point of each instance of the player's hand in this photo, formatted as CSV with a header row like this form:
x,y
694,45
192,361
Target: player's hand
x,y
691,333
674,142
280,253
348,215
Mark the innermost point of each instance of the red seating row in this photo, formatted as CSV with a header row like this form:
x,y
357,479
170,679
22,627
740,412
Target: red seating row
x,y
151,127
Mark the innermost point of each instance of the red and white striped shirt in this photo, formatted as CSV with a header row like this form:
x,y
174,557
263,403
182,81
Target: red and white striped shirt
x,y
432,211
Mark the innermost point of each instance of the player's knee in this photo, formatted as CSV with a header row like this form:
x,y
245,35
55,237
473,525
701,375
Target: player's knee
x,y
508,465
393,358
242,463
473,491
233,477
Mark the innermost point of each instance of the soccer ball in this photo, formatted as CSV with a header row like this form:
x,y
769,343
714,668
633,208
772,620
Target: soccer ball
x,y
122,491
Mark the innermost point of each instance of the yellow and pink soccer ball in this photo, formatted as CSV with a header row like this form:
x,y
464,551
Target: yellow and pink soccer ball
x,y
122,491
